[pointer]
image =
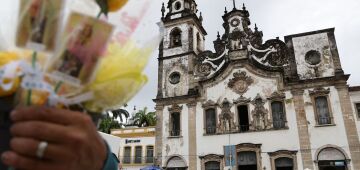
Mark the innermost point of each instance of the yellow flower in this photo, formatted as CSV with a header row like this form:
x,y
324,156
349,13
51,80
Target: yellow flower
x,y
5,58
114,5
119,76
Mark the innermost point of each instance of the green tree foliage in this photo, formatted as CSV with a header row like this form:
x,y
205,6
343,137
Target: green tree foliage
x,y
144,119
111,122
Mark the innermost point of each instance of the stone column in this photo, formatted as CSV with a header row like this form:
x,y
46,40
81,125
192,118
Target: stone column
x,y
193,158
350,126
302,125
159,135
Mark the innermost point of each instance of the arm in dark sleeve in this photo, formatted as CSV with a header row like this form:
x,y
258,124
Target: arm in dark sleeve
x,y
111,162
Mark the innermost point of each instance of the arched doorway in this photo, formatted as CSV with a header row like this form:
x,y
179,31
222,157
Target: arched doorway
x,y
331,159
176,163
284,163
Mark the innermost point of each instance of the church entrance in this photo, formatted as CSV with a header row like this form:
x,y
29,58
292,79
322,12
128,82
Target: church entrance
x,y
243,115
331,159
332,165
247,161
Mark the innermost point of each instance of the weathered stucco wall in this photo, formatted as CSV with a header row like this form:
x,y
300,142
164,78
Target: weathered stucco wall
x,y
326,135
355,98
271,140
179,65
173,146
319,43
169,51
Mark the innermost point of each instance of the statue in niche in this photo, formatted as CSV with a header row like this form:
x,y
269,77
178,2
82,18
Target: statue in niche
x,y
260,115
226,118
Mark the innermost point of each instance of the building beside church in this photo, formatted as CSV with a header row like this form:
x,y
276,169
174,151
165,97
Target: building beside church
x,y
136,147
252,104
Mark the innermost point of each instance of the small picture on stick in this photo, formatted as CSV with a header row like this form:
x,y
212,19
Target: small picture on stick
x,y
38,24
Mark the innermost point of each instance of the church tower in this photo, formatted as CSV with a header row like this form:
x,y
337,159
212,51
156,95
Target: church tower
x,y
183,41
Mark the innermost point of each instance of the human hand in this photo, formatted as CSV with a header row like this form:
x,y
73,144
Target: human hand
x,y
73,140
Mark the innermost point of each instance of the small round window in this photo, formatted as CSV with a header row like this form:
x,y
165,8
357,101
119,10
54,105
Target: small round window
x,y
177,5
313,57
175,78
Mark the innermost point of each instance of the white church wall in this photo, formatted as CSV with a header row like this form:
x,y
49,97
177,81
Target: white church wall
x,y
173,146
326,135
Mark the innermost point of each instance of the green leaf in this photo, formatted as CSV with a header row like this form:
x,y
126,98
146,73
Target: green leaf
x,y
103,6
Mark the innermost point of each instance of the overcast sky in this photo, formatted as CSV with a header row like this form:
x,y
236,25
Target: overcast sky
x,y
276,18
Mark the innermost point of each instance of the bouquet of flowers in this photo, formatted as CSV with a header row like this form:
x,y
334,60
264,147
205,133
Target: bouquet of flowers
x,y
94,65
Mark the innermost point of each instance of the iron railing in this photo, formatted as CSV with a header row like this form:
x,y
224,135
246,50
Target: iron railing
x,y
175,132
324,120
138,160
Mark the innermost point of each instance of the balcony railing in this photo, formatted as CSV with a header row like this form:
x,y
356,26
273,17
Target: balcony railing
x,y
244,128
210,130
279,124
324,120
175,133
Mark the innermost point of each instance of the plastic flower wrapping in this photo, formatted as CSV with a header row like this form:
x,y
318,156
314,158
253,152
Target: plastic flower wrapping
x,y
66,55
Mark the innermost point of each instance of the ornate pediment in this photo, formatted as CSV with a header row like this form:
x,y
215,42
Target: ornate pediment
x,y
212,157
209,104
282,152
320,91
277,96
175,108
240,83
242,100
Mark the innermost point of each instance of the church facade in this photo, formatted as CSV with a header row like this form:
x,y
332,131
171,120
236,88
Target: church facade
x,y
252,104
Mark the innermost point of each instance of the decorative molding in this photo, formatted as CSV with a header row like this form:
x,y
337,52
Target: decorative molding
x,y
175,108
240,83
244,147
248,147
260,119
226,118
282,152
319,91
242,100
277,96
212,158
209,104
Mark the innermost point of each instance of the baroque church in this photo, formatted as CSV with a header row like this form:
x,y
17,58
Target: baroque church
x,y
252,104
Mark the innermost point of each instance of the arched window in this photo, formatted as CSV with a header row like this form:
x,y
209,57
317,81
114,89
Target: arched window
x,y
212,165
278,115
322,109
210,119
331,158
284,163
176,163
175,38
175,124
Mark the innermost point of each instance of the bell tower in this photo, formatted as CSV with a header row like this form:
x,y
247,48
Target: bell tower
x,y
183,40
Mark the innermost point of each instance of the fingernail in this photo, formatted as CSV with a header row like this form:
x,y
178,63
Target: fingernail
x,y
13,115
